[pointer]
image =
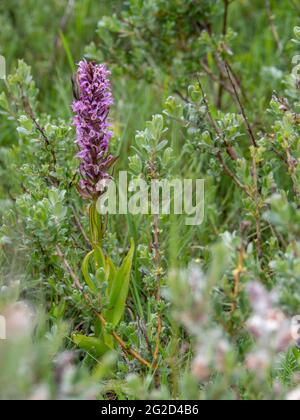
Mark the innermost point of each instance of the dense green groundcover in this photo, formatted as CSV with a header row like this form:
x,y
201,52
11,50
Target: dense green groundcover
x,y
203,89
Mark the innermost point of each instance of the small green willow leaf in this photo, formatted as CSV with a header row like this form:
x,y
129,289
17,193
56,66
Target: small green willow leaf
x,y
119,290
91,344
85,272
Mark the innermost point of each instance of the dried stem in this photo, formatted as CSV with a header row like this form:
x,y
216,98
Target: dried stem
x,y
292,164
69,10
248,126
237,81
76,281
221,64
157,262
228,171
143,329
237,278
225,18
257,204
230,150
219,156
80,227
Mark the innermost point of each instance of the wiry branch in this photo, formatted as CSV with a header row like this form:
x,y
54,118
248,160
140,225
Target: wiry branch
x,y
230,150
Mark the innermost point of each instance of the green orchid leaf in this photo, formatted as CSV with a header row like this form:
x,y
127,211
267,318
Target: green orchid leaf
x,y
99,258
90,344
119,290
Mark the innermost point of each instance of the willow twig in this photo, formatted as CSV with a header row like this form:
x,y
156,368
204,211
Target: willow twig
x,y
273,26
224,32
69,269
125,347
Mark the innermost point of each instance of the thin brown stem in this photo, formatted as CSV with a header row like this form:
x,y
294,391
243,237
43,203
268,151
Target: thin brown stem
x,y
237,80
257,204
215,78
127,350
224,32
143,328
29,112
157,261
292,164
75,278
80,227
69,10
221,66
225,18
181,96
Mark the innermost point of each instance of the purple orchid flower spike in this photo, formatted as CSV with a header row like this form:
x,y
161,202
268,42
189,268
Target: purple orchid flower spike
x,y
92,106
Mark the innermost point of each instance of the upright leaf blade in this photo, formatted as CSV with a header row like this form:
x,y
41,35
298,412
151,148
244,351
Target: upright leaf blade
x,y
85,272
95,225
111,273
